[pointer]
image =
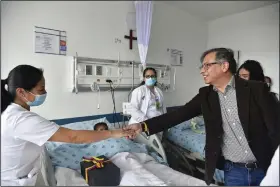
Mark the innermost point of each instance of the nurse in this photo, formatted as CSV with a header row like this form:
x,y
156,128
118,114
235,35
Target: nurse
x,y
24,133
147,100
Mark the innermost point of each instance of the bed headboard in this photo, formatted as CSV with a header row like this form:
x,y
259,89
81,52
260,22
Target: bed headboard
x,y
109,117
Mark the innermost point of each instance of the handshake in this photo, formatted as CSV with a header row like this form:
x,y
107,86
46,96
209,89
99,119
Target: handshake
x,y
129,131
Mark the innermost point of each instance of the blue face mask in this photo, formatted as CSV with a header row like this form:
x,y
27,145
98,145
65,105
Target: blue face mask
x,y
150,81
39,99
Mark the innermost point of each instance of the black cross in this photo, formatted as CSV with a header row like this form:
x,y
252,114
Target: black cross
x,y
131,38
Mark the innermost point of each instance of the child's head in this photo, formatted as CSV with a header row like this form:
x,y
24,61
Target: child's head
x,y
101,126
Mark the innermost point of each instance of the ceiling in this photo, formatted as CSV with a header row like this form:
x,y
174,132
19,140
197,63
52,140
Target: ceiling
x,y
211,10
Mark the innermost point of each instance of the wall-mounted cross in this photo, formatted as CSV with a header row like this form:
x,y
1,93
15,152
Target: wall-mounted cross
x,y
131,38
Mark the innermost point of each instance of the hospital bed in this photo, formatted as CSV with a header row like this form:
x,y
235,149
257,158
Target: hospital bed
x,y
186,142
137,168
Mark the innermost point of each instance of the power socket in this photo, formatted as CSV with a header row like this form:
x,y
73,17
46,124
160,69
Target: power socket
x,y
161,74
120,71
98,70
108,71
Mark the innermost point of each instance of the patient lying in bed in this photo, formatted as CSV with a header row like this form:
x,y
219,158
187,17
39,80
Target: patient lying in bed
x,y
138,164
69,155
101,126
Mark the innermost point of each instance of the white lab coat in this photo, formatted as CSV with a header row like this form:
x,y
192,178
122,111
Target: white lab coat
x,y
140,99
23,135
272,174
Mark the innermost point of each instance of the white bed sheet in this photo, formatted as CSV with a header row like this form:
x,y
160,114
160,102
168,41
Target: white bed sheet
x,y
137,169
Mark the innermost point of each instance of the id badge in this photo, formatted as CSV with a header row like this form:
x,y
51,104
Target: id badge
x,y
157,103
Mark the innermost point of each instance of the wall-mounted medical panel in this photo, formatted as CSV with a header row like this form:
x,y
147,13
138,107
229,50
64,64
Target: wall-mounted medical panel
x,y
91,74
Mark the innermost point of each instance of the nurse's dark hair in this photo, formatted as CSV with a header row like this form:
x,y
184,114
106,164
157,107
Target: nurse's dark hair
x,y
22,76
144,73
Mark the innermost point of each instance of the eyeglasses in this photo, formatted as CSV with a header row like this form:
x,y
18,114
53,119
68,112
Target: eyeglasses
x,y
150,76
206,66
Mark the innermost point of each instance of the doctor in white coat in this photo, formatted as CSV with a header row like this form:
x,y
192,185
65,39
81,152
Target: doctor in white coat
x,y
24,133
147,100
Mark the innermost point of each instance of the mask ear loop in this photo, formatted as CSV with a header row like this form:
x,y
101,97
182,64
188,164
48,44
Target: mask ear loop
x,y
31,94
25,97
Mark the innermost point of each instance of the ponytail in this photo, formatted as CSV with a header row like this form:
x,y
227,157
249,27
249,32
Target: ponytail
x,y
6,97
22,76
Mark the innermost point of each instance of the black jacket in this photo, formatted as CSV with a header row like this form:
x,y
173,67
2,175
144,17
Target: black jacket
x,y
257,112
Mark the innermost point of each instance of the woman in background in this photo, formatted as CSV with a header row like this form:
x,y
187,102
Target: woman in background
x,y
268,81
251,70
24,133
147,100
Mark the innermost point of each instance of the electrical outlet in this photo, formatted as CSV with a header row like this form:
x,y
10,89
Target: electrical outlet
x,y
98,70
162,74
108,71
120,71
88,69
80,69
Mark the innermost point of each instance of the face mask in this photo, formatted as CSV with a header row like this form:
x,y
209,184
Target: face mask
x,y
150,81
39,99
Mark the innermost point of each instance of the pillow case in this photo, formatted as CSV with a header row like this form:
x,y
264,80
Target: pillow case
x,y
196,121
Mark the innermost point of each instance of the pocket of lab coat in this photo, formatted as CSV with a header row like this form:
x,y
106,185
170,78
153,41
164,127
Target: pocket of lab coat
x,y
30,179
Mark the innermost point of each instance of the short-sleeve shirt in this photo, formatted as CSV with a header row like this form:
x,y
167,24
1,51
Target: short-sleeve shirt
x,y
23,134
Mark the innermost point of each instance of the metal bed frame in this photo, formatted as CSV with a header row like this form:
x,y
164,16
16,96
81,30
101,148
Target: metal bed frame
x,y
179,159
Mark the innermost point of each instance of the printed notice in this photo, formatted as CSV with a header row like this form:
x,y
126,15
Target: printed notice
x,y
50,41
45,43
176,57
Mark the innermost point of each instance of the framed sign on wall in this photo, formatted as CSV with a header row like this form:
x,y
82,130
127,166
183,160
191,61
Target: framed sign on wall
x,y
50,41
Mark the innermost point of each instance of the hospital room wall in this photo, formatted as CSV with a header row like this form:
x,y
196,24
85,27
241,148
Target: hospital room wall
x,y
91,31
255,33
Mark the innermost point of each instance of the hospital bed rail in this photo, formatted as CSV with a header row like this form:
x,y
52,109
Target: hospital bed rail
x,y
195,166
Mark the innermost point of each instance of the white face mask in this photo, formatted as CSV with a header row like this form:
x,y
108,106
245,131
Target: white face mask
x,y
150,81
